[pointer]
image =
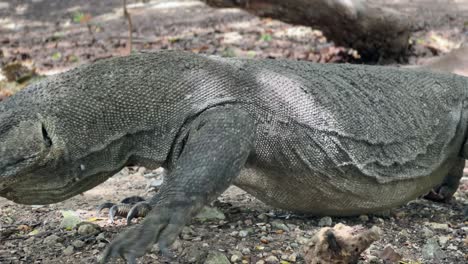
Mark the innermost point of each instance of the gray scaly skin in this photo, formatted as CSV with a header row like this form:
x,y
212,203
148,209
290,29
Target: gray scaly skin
x,y
320,139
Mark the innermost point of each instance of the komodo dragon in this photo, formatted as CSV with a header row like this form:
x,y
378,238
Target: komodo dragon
x,y
320,139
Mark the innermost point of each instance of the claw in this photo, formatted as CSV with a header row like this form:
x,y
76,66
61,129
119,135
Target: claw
x,y
140,209
439,194
119,210
103,206
123,208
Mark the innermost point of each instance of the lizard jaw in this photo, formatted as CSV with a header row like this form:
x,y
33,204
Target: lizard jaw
x,y
45,194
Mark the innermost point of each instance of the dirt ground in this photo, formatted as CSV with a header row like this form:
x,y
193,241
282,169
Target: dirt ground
x,y
52,36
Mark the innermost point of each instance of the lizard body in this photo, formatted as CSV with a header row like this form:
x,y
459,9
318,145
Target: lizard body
x,y
319,139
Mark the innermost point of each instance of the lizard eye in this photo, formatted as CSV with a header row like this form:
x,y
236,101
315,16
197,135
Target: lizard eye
x,y
45,136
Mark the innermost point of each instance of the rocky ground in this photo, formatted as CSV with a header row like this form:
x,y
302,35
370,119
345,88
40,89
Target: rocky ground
x,y
55,35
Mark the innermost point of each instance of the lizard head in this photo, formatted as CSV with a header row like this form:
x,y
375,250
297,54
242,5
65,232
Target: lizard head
x,y
35,167
26,145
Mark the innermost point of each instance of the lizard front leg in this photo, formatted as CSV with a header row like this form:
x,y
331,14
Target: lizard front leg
x,y
216,148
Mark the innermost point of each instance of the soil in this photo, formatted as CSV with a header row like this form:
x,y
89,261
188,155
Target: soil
x,y
52,36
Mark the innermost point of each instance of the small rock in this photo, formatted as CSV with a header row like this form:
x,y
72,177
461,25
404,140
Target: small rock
x,y
68,251
51,240
244,233
431,250
302,240
404,233
400,215
101,245
438,226
272,260
216,257
210,213
235,258
379,220
443,240
427,232
260,262
389,255
101,237
452,247
245,251
30,240
279,225
194,255
364,218
263,217
70,219
78,243
325,221
292,257
86,228
340,244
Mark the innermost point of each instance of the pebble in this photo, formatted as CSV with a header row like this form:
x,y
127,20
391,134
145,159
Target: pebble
x,y
101,245
195,255
379,220
78,243
30,240
292,257
216,257
438,226
51,240
210,213
325,221
302,240
101,237
272,260
443,240
364,218
431,250
68,251
244,233
245,251
452,247
263,217
427,232
279,225
85,229
235,258
404,233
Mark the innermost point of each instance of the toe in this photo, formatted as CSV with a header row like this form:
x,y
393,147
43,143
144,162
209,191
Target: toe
x,y
141,209
133,200
103,206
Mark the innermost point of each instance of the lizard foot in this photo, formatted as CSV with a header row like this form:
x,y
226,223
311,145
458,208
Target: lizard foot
x,y
442,194
122,209
161,226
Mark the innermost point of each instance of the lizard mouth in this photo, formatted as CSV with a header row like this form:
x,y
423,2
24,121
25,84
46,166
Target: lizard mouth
x,y
43,193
